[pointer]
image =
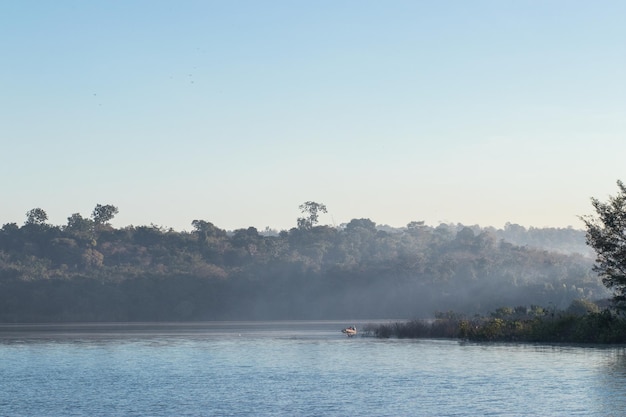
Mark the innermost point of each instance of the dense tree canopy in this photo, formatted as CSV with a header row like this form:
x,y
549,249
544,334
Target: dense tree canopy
x,y
85,272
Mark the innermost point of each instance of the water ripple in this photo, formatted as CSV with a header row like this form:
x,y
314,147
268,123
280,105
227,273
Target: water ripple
x,y
253,371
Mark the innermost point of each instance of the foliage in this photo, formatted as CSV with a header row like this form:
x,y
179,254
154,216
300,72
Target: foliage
x,y
518,324
89,270
606,234
102,215
36,216
312,210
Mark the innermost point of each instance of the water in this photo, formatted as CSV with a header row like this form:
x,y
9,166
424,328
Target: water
x,y
294,369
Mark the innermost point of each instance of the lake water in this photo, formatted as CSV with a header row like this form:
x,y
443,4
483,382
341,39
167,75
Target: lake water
x,y
294,369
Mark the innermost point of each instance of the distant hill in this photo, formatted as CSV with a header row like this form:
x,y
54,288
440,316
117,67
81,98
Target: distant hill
x,y
90,271
562,240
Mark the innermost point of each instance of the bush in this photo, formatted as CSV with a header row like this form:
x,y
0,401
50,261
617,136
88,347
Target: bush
x,y
512,325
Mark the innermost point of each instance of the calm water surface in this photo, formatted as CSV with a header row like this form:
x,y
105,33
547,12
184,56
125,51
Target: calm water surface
x,y
294,369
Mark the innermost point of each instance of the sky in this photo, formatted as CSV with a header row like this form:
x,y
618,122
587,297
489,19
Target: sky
x,y
237,112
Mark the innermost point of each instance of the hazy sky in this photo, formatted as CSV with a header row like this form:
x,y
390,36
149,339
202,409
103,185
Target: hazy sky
x,y
236,112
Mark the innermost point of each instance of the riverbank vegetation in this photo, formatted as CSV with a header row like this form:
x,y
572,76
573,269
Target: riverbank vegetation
x,y
582,322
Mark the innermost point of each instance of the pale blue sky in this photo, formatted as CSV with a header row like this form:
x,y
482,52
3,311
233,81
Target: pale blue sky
x,y
236,112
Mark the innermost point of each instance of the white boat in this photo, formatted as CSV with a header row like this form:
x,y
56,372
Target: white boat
x,y
350,331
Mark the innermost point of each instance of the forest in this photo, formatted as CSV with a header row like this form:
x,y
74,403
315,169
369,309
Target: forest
x,y
87,270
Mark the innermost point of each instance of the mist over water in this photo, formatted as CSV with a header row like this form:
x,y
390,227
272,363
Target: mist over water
x,y
295,368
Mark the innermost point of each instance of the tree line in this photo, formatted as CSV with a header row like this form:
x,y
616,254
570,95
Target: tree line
x,y
582,322
87,270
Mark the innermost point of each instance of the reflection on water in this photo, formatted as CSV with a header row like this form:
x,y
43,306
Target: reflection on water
x,y
294,368
218,328
616,362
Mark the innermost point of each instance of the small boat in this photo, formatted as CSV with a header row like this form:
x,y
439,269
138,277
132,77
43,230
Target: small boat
x,y
350,331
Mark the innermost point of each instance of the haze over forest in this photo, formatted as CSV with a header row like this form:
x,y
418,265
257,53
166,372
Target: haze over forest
x,y
87,270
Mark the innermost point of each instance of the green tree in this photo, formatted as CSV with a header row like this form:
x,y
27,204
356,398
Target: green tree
x,y
207,229
102,215
79,226
606,234
36,216
312,210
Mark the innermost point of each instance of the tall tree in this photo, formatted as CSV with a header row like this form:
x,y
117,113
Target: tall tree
x,y
606,234
36,216
102,215
312,210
